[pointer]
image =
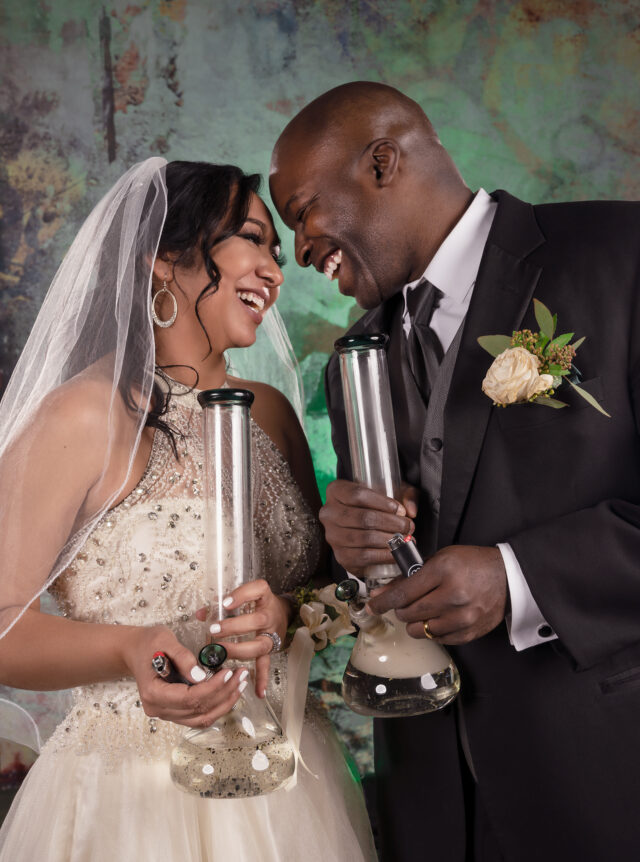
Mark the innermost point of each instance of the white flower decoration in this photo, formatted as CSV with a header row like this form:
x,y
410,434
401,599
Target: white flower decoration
x,y
320,625
317,621
513,377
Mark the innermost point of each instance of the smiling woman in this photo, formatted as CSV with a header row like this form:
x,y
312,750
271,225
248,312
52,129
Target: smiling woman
x,y
101,422
238,263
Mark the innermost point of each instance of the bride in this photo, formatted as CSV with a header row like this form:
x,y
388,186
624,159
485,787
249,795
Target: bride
x,y
100,469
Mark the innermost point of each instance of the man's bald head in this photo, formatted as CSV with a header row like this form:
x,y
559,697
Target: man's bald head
x,y
384,190
359,111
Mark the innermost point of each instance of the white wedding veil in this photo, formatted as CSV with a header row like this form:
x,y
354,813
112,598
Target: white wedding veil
x,y
92,349
271,360
92,338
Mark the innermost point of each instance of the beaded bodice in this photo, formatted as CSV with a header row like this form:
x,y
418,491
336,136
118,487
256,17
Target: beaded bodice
x,y
143,564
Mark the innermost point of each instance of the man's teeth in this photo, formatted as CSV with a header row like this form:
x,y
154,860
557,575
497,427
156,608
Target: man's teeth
x,y
252,298
332,263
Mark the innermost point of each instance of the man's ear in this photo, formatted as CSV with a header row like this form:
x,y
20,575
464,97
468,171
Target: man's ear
x,y
381,160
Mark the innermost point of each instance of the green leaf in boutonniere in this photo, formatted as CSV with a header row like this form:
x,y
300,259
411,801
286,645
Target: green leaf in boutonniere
x,y
561,340
545,401
541,344
588,397
495,344
545,319
557,370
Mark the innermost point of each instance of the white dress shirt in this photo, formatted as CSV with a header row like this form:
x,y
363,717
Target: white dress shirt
x,y
453,270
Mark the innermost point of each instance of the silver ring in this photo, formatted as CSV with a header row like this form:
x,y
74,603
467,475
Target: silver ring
x,y
275,639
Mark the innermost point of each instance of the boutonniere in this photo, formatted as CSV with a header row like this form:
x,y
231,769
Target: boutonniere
x,y
531,366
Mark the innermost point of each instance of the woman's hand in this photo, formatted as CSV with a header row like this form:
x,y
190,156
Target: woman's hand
x,y
270,613
198,705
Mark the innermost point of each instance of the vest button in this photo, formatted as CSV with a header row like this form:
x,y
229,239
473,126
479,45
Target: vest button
x,y
545,631
435,444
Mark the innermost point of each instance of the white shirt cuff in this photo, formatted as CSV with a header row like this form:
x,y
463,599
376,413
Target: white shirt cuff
x,y
525,624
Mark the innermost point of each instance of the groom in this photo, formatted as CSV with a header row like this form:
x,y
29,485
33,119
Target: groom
x,y
529,516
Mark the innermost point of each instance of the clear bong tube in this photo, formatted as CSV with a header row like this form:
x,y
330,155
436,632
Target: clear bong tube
x,y
245,752
389,673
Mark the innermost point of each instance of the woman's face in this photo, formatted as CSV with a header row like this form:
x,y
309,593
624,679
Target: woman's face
x,y
250,278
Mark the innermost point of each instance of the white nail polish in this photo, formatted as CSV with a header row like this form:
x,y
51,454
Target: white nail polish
x,y
228,676
197,674
244,675
264,692
242,686
215,628
226,602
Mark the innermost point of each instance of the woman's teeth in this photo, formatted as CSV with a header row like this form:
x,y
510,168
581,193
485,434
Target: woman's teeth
x,y
252,299
332,264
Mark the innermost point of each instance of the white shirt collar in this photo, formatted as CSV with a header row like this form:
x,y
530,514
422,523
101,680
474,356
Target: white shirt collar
x,y
454,267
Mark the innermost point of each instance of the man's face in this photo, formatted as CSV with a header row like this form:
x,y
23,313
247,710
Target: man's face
x,y
341,221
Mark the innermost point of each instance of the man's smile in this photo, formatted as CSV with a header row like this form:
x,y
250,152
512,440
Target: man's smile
x,y
331,265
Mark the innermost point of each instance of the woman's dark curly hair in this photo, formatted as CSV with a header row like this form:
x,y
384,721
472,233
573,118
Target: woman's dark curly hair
x,y
206,204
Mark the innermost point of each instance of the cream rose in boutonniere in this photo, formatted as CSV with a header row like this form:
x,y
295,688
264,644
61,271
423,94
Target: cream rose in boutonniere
x,y
531,366
514,377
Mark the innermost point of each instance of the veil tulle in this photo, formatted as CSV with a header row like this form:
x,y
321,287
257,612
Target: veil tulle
x,y
271,360
93,337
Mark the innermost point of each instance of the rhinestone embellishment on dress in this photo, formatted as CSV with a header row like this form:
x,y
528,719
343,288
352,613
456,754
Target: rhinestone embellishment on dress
x,y
148,570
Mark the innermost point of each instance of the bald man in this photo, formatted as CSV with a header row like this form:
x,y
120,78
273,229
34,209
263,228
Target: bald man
x,y
529,517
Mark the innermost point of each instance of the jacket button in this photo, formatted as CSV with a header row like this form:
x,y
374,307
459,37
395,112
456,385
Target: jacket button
x,y
435,443
545,631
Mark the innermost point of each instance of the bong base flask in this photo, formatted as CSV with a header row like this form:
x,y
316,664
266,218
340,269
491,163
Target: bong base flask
x,y
389,673
245,752
392,674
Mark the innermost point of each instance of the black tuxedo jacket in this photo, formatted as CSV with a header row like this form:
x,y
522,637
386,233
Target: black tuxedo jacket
x,y
554,731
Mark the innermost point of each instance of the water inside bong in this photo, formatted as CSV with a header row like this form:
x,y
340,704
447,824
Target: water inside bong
x,y
392,674
232,771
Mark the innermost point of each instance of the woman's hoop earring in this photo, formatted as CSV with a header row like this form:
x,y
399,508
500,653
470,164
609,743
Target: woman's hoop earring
x,y
171,320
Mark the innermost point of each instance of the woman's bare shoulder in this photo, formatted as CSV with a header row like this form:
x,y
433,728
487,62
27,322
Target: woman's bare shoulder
x,y
83,416
82,405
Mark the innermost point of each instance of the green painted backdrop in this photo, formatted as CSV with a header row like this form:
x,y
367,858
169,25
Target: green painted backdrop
x,y
537,96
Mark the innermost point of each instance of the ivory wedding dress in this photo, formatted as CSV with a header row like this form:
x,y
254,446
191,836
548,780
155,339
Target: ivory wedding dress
x,y
100,790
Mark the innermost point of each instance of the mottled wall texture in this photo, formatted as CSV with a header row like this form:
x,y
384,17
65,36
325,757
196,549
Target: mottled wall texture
x,y
536,96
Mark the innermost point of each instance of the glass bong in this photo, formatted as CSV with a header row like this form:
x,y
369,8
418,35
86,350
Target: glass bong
x,y
389,673
245,752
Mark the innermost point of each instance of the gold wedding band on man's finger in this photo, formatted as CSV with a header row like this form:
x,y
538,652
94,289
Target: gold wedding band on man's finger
x,y
427,631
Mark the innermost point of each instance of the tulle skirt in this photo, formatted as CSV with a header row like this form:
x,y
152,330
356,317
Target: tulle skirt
x,y
72,808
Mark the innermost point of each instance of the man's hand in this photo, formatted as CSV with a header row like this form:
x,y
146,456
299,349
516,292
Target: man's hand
x,y
461,592
358,523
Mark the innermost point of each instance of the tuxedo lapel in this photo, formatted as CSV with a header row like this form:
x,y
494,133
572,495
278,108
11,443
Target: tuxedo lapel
x,y
503,291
